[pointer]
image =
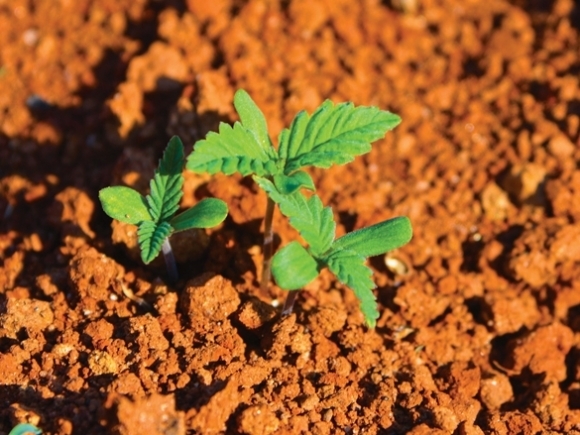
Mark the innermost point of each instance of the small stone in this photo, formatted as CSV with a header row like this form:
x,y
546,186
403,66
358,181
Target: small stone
x,y
445,419
495,390
62,349
254,313
495,202
561,146
310,402
102,363
258,420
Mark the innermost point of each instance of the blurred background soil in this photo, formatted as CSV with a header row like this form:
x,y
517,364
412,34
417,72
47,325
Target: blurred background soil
x,y
480,314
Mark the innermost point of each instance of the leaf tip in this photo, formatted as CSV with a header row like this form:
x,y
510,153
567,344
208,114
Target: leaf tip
x,y
371,323
406,229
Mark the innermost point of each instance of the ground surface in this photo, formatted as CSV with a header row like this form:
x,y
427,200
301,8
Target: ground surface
x,y
480,314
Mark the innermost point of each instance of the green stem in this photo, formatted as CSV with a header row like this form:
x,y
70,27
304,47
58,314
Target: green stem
x,y
170,263
268,247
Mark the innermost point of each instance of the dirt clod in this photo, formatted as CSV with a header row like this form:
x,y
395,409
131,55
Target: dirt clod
x,y
209,298
154,415
32,316
258,420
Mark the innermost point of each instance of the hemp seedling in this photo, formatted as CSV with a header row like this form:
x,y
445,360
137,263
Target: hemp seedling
x,y
294,266
24,429
154,214
333,134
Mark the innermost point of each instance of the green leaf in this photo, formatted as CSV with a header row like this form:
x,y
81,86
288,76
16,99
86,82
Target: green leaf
x,y
349,268
167,182
252,118
233,149
25,428
207,213
124,204
293,267
288,184
334,134
151,236
314,222
377,239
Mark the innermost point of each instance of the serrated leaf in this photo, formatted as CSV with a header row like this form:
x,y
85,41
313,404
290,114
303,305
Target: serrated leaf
x,y
165,187
293,267
288,184
349,268
233,149
334,134
151,236
377,239
25,428
207,213
124,204
252,118
309,217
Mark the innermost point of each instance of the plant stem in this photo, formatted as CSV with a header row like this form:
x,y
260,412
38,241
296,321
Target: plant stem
x,y
268,247
289,303
170,263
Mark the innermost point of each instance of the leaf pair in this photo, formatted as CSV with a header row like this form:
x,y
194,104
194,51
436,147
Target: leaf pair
x,y
294,266
333,134
154,214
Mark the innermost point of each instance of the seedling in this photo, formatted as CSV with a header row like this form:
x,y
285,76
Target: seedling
x,y
294,266
25,429
154,214
333,134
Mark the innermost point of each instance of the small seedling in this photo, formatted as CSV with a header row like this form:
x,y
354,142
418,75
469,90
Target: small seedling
x,y
25,429
294,266
154,214
333,134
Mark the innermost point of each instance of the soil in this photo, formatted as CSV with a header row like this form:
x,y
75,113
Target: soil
x,y
480,314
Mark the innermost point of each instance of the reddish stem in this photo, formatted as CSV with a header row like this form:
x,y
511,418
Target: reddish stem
x,y
170,263
289,303
267,248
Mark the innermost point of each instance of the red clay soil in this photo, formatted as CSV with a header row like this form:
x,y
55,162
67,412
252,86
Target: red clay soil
x,y
480,314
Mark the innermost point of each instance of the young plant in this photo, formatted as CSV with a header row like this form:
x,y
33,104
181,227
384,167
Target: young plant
x,y
333,134
25,429
294,266
154,214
